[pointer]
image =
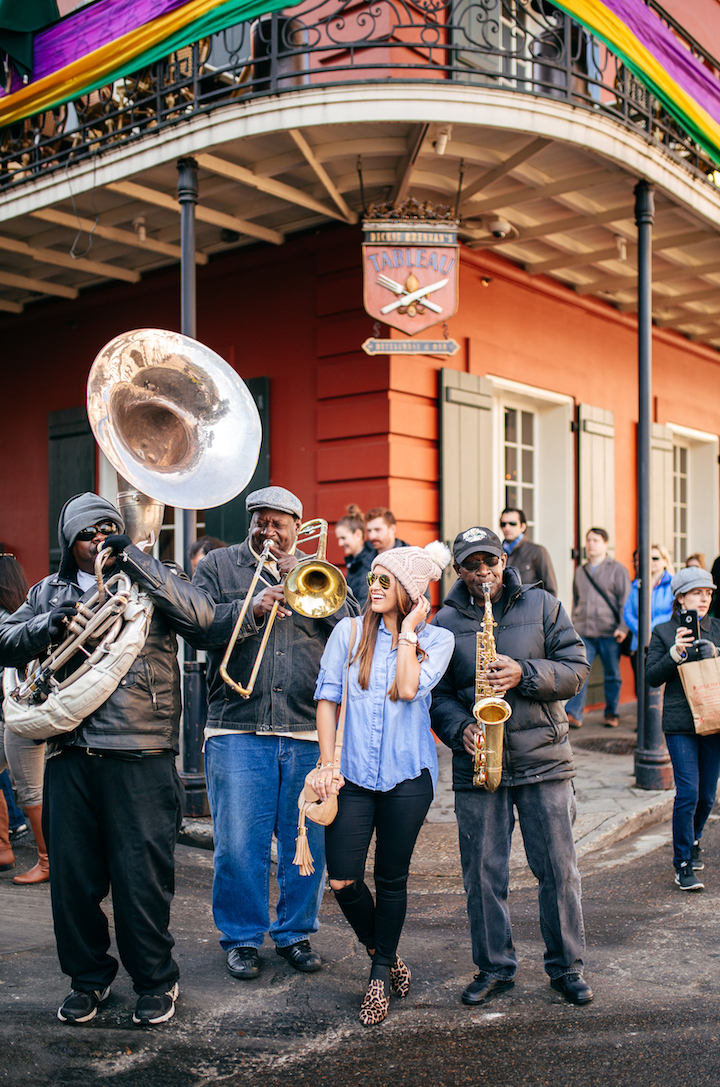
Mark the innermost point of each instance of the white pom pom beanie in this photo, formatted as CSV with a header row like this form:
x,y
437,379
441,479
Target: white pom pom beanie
x,y
414,567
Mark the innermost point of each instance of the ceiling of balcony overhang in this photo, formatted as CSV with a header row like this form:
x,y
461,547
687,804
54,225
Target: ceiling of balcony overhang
x,y
570,212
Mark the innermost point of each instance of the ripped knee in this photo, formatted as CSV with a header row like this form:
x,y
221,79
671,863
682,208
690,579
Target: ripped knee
x,y
341,884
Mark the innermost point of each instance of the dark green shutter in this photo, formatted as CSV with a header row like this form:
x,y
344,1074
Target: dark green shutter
x,y
71,466
230,521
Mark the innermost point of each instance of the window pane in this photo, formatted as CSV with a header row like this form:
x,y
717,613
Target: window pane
x,y
511,498
510,425
683,459
527,466
683,520
528,503
683,489
511,463
527,428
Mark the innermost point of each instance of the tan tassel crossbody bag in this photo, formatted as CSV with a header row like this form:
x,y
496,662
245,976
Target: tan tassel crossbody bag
x,y
312,806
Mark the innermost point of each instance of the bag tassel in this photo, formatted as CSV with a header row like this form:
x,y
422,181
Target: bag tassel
x,y
303,857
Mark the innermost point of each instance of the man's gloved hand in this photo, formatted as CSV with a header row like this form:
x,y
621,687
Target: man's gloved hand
x,y
57,625
116,544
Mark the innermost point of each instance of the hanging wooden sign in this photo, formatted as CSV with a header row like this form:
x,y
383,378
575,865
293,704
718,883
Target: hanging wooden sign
x,y
410,272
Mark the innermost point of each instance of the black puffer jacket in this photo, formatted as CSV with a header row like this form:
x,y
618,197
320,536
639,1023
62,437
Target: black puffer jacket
x,y
661,668
535,630
144,710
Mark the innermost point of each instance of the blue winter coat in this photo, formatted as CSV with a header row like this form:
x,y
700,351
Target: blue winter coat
x,y
661,602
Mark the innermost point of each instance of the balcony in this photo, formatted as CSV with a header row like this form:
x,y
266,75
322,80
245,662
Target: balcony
x,y
520,46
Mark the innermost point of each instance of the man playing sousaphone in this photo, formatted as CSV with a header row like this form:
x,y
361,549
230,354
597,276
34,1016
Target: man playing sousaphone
x,y
259,746
539,662
112,797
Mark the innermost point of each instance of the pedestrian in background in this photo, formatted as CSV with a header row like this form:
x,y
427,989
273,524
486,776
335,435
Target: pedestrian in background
x,y
359,552
389,764
24,756
531,560
695,758
600,589
661,596
202,547
381,528
696,559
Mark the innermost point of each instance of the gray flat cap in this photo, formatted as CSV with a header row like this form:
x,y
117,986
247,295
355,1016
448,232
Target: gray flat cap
x,y
274,498
691,577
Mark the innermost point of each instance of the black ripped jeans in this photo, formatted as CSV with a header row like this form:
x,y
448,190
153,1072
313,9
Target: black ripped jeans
x,y
397,816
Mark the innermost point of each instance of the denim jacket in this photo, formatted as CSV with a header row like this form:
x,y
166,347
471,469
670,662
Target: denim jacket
x,y
282,700
384,742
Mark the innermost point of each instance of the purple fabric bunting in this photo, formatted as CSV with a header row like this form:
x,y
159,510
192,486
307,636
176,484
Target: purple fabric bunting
x,y
89,28
688,71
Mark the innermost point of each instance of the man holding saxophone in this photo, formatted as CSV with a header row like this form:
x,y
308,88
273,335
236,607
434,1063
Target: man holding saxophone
x,y
259,745
537,661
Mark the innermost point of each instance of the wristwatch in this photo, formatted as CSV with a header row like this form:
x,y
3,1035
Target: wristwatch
x,y
408,636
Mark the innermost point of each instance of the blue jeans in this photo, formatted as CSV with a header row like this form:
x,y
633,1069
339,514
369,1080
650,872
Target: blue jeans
x,y
485,825
696,765
253,787
609,652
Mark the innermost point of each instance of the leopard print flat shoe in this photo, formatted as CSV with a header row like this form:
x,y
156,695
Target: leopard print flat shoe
x,y
400,978
375,1004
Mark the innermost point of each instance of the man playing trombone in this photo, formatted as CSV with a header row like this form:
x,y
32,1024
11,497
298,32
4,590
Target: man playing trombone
x,y
260,746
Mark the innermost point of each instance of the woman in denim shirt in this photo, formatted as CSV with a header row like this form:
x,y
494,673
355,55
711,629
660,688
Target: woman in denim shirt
x,y
389,764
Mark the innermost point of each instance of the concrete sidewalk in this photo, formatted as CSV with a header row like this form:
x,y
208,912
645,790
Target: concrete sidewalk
x,y
609,806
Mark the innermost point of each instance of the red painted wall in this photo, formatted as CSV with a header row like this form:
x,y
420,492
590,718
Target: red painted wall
x,y
344,427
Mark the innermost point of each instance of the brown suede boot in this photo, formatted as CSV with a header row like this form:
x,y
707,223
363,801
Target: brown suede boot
x,y
40,873
7,857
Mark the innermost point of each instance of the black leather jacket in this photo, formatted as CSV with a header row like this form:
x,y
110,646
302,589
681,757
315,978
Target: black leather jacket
x,y
535,630
282,700
143,713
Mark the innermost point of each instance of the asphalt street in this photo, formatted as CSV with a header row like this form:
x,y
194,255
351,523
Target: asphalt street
x,y
653,961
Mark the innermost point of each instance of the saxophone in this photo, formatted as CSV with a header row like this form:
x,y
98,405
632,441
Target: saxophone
x,y
490,710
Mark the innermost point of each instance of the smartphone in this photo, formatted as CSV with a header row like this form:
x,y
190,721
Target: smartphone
x,y
689,621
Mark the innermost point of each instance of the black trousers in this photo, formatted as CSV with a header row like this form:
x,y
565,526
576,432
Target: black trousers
x,y
110,823
396,816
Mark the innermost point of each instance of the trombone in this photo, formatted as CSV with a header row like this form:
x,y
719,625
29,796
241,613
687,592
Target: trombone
x,y
314,588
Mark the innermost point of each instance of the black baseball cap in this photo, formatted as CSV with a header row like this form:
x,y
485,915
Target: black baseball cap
x,y
474,540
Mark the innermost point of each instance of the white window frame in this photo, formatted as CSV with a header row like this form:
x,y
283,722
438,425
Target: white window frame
x,y
703,489
554,470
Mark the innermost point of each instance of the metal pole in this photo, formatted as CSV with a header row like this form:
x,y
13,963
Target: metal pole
x,y
652,762
194,691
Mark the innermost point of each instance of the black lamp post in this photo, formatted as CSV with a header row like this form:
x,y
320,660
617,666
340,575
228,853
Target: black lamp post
x,y
652,762
194,690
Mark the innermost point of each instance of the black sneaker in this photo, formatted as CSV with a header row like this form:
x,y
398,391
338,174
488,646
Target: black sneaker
x,y
697,862
155,1007
80,1007
18,833
686,879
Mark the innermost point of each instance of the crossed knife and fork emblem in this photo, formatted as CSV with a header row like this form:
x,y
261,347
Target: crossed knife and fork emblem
x,y
412,298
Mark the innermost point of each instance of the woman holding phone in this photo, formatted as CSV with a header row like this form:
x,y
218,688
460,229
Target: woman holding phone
x,y
695,759
389,767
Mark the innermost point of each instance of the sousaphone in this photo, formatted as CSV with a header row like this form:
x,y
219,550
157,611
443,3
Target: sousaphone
x,y
180,427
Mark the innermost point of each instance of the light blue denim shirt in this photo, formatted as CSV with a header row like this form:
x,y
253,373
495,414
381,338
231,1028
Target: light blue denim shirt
x,y
384,742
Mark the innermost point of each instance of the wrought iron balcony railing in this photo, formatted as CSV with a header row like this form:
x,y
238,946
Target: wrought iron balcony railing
x,y
516,45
